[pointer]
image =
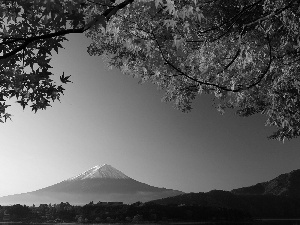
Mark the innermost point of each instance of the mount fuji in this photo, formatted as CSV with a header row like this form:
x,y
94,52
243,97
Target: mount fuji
x,y
100,183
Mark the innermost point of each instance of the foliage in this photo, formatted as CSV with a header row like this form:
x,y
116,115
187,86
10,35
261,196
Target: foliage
x,y
30,31
245,52
19,212
210,206
97,213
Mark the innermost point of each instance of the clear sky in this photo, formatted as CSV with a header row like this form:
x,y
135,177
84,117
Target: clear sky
x,y
107,117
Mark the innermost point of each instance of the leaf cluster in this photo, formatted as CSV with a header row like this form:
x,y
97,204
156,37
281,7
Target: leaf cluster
x,y
245,53
30,30
29,33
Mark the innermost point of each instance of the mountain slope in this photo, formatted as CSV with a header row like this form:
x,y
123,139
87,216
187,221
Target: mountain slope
x,y
104,171
287,184
277,198
215,198
100,183
258,206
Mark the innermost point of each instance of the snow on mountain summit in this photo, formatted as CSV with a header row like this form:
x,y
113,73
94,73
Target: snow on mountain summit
x,y
104,171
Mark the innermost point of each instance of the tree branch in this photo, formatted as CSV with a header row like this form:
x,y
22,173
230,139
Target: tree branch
x,y
233,19
259,79
96,3
184,74
278,11
108,14
112,11
224,88
231,61
35,38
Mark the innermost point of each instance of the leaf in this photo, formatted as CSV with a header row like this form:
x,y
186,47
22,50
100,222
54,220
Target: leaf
x,y
23,103
157,3
101,20
64,79
7,116
170,7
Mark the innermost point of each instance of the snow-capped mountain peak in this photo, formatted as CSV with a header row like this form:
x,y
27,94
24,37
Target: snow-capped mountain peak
x,y
104,171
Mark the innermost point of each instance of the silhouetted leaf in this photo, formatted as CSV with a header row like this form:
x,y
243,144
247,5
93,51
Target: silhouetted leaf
x,y
64,79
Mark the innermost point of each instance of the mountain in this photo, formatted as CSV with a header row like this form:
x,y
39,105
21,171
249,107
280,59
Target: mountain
x,y
100,183
215,198
258,206
277,198
287,184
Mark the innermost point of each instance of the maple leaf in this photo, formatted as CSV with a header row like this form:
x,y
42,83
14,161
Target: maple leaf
x,y
7,116
64,79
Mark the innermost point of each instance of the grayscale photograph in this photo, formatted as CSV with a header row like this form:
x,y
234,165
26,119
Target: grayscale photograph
x,y
154,112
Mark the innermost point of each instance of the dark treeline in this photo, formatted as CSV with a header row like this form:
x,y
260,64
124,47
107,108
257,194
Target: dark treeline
x,y
101,213
258,206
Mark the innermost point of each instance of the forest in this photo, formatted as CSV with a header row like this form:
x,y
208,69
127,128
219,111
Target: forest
x,y
110,213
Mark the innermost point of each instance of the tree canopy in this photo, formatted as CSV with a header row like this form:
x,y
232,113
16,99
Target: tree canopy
x,y
244,52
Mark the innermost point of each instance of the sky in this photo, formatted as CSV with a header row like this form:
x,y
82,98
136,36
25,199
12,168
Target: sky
x,y
106,117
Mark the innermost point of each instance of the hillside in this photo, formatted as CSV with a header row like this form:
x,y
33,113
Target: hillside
x,y
277,198
258,206
287,184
